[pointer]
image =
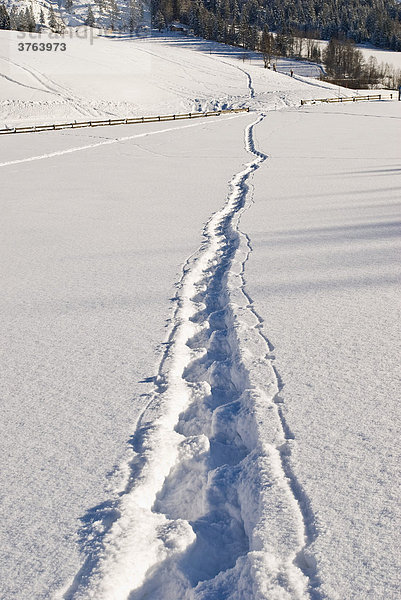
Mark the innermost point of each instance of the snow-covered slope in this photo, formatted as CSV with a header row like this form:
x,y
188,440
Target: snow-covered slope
x,y
123,76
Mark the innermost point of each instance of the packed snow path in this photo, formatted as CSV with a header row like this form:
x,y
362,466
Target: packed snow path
x,y
209,495
207,509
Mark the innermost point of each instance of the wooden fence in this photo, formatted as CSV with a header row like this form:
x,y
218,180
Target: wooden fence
x,y
351,98
129,121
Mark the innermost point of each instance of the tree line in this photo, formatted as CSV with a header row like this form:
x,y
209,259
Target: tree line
x,y
232,21
344,63
240,22
243,23
20,20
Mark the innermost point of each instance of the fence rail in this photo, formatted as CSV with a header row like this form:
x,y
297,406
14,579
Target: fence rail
x,y
351,98
128,121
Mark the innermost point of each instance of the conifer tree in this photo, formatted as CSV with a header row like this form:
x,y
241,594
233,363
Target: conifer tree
x,y
266,46
30,19
13,17
159,21
90,19
52,20
4,18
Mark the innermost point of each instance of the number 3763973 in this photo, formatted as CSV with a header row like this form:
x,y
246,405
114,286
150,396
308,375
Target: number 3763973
x,y
42,47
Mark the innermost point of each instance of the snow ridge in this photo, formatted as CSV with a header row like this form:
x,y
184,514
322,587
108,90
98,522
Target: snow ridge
x,y
206,510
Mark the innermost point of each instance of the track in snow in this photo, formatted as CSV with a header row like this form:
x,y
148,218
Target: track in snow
x,y
49,86
108,142
207,509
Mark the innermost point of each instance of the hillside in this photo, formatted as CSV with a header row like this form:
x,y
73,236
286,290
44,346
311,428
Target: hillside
x,y
126,15
118,77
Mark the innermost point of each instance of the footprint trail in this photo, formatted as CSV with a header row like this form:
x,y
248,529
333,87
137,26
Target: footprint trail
x,y
208,509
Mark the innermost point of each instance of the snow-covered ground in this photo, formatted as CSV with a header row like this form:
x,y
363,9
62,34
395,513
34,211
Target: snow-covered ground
x,y
93,242
200,336
382,56
325,276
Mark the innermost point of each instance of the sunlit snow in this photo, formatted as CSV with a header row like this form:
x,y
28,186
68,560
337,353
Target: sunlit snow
x,y
200,326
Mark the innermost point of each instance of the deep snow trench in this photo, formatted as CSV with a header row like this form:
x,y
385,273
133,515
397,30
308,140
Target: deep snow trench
x,y
207,509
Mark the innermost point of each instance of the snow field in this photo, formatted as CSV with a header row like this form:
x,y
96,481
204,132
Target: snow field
x,y
104,141
276,381
63,17
89,263
324,275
